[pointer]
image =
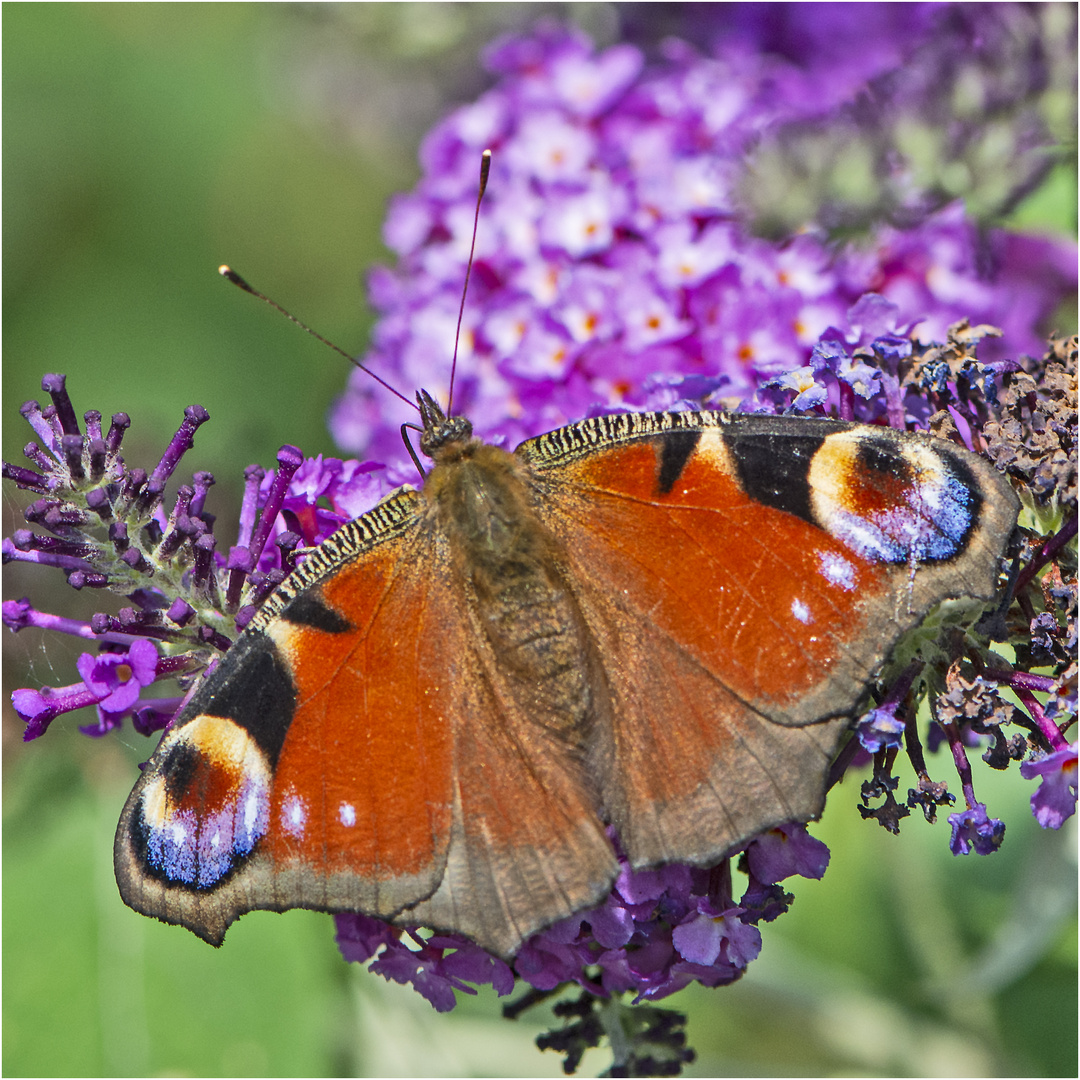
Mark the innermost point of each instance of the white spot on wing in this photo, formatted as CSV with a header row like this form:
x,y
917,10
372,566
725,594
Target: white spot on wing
x,y
800,611
837,570
293,815
347,813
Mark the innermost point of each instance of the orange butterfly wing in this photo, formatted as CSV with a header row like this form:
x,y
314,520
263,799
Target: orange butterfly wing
x,y
735,635
358,751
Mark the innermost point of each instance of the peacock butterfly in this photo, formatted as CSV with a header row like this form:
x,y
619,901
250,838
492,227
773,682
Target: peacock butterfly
x,y
657,621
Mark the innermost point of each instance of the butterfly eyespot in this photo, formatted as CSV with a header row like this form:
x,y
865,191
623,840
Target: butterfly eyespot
x,y
891,503
207,805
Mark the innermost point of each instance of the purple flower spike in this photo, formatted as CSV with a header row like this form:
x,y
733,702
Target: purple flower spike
x,y
1055,798
974,830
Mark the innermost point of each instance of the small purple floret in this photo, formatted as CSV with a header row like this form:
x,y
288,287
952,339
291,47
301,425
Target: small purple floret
x,y
809,393
118,678
702,937
880,729
1054,800
974,830
786,850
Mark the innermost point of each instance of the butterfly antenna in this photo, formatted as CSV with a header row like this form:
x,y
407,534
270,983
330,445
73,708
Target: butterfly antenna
x,y
237,280
485,168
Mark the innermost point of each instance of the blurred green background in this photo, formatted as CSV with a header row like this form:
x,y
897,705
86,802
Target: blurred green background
x,y
143,146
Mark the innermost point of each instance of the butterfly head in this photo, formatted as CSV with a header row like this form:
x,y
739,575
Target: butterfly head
x,y
440,431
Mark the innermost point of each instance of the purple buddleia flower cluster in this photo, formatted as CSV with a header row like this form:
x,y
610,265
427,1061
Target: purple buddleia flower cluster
x,y
919,102
658,931
613,259
108,527
615,270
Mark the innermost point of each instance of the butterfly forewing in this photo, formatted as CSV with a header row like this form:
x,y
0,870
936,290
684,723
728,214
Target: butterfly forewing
x,y
348,810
